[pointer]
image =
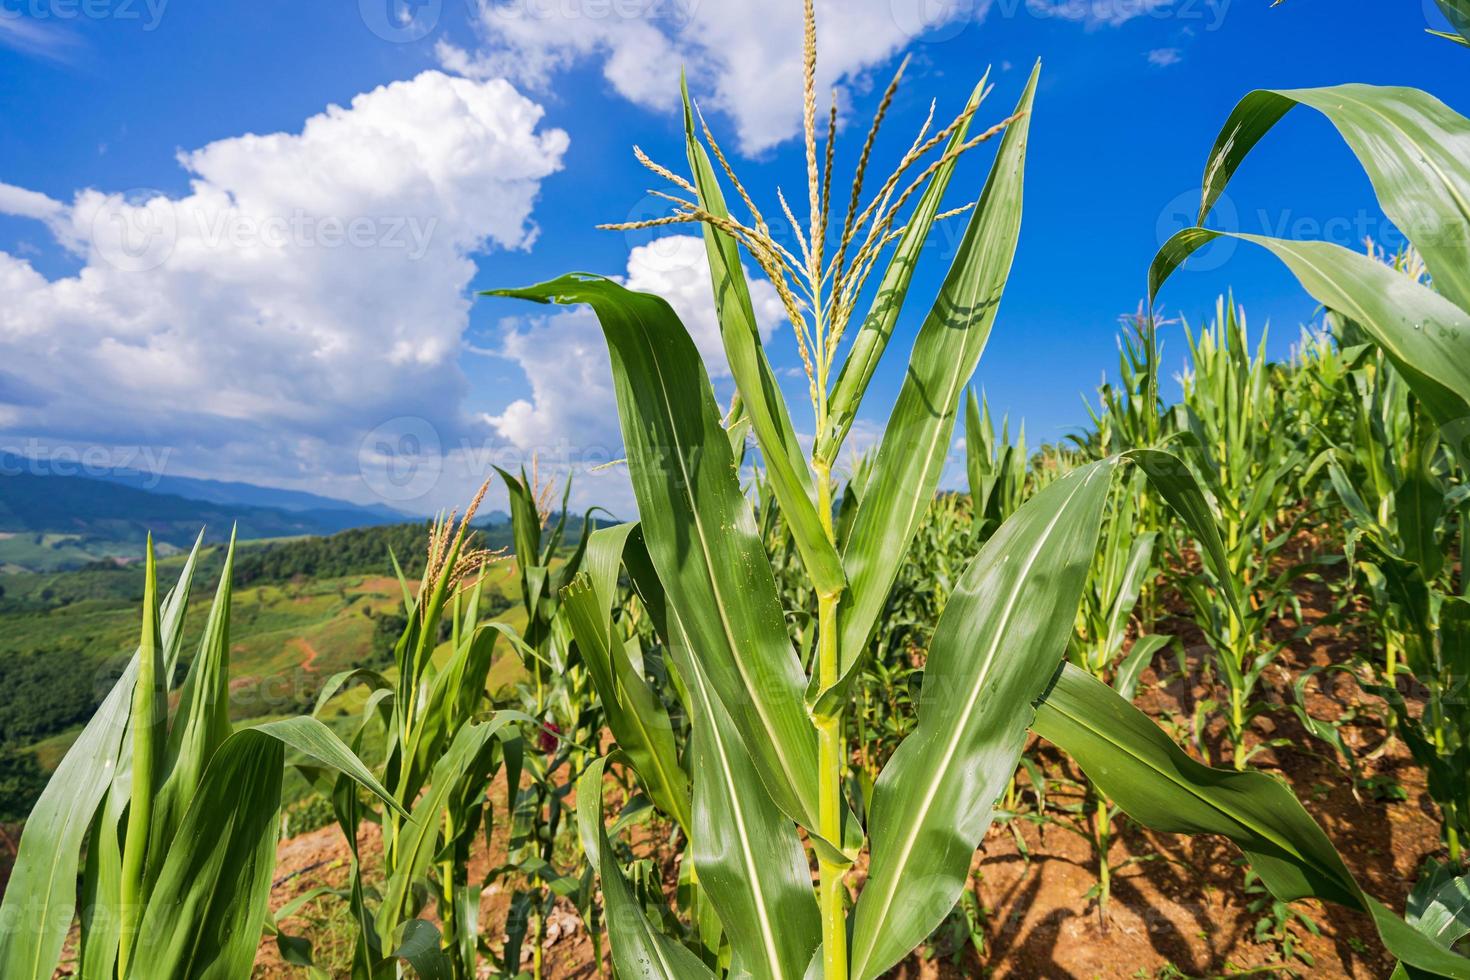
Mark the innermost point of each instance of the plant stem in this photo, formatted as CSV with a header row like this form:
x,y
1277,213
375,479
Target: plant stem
x,y
147,719
832,893
1102,835
448,915
1237,727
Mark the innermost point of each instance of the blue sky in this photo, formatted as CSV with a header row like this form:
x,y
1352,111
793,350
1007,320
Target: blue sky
x,y
308,309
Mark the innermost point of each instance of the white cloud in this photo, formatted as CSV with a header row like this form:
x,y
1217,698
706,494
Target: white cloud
x,y
309,286
748,54
43,40
571,413
24,203
1164,57
1100,13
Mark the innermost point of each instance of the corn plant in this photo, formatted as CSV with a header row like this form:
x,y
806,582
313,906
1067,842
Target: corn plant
x,y
561,696
1399,489
1129,415
769,748
1233,416
1101,644
441,751
178,816
995,466
1408,143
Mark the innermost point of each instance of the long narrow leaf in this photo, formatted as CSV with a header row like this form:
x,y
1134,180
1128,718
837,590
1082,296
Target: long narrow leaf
x,y
1421,331
40,897
639,951
756,382
917,438
1414,148
1137,766
700,531
1001,634
206,910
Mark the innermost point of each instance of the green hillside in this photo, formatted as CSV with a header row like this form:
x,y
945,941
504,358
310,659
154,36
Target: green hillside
x,y
304,609
52,523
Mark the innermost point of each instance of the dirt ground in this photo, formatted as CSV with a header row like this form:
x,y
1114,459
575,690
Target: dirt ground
x,y
1179,906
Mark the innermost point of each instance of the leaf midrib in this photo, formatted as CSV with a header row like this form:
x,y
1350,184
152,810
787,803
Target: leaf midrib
x,y
760,706
938,771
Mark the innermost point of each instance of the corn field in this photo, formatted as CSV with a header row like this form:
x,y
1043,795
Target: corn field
x,y
762,730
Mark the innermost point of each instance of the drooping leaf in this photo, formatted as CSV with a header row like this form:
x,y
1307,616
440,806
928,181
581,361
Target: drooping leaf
x,y
1422,332
1139,768
1414,148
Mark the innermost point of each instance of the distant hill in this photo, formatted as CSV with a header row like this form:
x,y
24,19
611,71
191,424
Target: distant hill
x,y
48,523
235,493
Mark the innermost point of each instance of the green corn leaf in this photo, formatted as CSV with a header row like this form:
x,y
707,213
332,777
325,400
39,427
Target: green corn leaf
x,y
210,899
40,897
1174,481
467,757
639,950
872,337
755,381
206,910
635,716
418,945
1139,656
1460,39
201,724
1458,14
1422,332
749,858
148,725
750,863
1001,634
319,744
917,438
452,698
700,531
1138,767
1128,585
1414,148
1439,905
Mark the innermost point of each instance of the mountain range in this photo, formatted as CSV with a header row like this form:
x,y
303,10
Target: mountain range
x,y
51,522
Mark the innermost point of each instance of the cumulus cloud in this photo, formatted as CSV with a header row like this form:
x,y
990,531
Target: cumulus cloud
x,y
310,284
571,412
747,54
